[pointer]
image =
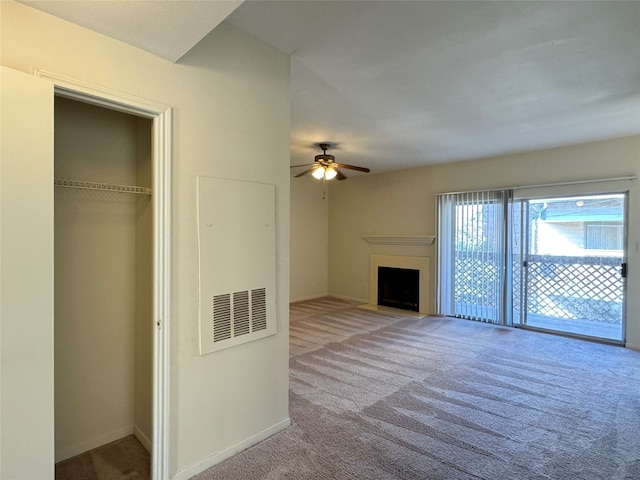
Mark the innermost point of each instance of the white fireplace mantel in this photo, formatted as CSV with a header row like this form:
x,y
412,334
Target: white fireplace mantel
x,y
417,240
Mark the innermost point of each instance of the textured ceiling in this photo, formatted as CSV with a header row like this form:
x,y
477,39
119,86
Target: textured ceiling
x,y
168,29
402,84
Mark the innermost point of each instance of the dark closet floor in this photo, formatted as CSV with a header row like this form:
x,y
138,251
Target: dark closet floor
x,y
124,459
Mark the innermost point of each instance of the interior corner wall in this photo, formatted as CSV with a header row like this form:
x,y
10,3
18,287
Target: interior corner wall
x,y
309,256
230,99
403,203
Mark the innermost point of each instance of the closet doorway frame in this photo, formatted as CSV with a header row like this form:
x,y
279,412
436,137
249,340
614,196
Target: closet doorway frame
x,y
161,161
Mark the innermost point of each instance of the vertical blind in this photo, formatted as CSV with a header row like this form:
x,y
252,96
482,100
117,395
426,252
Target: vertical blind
x,y
473,253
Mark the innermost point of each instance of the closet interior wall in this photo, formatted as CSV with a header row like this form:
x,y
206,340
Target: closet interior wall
x,y
103,279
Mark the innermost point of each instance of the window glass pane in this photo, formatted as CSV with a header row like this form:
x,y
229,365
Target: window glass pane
x,y
577,226
604,236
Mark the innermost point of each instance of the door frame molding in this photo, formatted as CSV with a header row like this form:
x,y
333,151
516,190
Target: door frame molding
x,y
161,115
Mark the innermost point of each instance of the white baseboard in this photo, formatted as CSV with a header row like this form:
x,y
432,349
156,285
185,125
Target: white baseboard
x,y
350,299
68,451
308,297
231,451
142,438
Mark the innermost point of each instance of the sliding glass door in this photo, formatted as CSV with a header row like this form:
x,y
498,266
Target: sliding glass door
x,y
555,263
569,265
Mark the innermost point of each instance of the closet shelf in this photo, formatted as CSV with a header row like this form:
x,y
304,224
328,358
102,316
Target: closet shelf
x,y
105,187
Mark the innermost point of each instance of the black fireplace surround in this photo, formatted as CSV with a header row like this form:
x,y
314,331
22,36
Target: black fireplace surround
x,y
399,288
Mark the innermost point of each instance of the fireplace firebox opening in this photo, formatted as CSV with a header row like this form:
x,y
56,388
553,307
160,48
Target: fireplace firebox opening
x,y
399,288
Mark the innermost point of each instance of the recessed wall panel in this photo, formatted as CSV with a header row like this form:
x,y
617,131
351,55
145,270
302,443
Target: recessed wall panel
x,y
237,262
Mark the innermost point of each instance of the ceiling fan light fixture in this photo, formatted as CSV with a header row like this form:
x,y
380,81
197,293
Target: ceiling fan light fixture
x,y
318,173
330,173
325,166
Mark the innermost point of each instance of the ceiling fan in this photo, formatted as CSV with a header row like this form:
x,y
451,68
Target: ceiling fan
x,y
325,166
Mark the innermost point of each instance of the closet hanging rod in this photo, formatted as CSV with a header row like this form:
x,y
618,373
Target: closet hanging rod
x,y
105,187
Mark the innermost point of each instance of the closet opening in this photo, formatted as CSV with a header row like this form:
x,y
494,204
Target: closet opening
x,y
104,292
159,117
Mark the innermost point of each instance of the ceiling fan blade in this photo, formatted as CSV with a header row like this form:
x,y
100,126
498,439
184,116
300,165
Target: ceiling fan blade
x,y
352,167
308,170
340,175
304,165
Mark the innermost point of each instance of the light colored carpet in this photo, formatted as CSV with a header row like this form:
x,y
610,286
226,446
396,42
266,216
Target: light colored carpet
x,y
377,396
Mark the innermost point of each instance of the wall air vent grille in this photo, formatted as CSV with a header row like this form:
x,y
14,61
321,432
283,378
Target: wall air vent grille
x,y
221,317
258,309
240,313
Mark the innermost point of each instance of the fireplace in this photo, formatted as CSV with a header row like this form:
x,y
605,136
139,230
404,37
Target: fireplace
x,y
402,262
399,288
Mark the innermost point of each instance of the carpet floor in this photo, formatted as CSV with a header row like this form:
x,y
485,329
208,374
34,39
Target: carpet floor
x,y
383,396
124,459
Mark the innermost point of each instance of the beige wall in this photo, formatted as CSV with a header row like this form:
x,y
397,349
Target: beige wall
x,y
230,97
403,203
399,203
309,261
26,287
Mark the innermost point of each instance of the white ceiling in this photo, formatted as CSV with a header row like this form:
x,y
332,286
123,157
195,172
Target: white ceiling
x,y
401,84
